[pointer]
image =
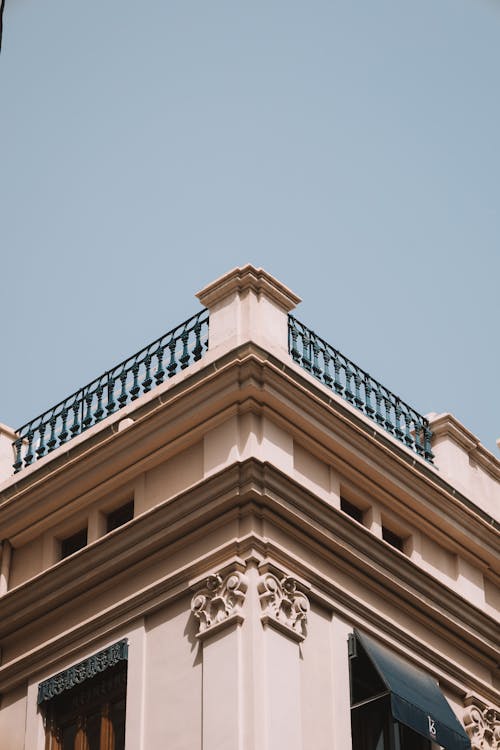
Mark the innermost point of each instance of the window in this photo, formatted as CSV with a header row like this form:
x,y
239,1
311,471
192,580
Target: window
x,y
87,713
393,539
352,510
394,705
118,517
73,543
373,726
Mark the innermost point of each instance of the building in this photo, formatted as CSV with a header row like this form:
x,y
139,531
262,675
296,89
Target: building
x,y
247,544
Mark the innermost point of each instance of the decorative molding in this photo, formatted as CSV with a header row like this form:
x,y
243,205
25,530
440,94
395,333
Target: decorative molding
x,y
447,427
219,602
82,671
241,280
482,724
284,606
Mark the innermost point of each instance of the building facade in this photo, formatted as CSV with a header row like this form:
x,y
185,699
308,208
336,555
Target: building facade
x,y
238,540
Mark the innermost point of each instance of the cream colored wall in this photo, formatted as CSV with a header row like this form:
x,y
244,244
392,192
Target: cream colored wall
x,y
170,478
167,666
318,671
26,562
492,597
12,720
172,680
316,475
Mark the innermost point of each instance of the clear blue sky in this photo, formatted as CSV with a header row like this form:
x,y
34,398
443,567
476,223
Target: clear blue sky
x,y
350,148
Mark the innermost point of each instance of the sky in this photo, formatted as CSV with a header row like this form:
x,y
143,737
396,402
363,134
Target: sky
x,y
349,147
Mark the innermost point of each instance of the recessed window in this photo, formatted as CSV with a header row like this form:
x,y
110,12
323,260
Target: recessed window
x,y
385,711
393,539
88,714
352,510
73,543
118,517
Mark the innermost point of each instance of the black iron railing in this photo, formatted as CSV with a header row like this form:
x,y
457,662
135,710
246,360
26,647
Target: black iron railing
x,y
359,388
138,374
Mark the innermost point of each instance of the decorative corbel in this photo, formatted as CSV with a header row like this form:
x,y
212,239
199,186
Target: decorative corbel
x,y
482,724
284,606
219,602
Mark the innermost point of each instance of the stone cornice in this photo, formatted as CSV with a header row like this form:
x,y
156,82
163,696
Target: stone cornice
x,y
248,278
240,376
259,491
178,584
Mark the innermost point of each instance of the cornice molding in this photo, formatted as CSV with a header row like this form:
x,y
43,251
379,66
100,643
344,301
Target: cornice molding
x,y
446,426
248,278
314,521
251,490
245,373
178,584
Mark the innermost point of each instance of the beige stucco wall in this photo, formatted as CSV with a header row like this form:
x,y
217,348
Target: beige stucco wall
x,y
173,673
13,719
170,478
318,671
26,562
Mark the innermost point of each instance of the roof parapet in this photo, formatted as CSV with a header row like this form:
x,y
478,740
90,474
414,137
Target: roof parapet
x,y
464,461
248,304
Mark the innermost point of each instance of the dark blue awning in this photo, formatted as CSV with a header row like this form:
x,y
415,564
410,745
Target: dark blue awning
x,y
416,699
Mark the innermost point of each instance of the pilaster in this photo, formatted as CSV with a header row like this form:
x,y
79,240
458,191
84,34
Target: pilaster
x,y
248,304
7,436
217,605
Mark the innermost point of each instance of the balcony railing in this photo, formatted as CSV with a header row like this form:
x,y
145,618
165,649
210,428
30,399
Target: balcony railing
x,y
138,374
359,388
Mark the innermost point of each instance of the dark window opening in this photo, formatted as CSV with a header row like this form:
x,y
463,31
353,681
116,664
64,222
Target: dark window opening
x,y
90,716
73,543
351,510
395,705
393,539
366,683
372,724
121,515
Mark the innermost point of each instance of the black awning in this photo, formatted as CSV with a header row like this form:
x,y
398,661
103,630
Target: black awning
x,y
416,699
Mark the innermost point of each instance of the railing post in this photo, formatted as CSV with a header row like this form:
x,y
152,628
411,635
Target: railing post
x,y
7,455
248,304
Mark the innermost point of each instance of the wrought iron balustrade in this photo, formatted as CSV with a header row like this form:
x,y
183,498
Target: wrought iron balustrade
x,y
138,374
359,388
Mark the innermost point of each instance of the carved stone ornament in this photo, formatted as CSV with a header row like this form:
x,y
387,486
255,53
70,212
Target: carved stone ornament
x,y
283,605
482,724
82,671
219,601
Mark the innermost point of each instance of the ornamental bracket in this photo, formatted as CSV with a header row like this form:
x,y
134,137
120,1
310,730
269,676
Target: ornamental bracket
x,y
482,724
219,603
284,606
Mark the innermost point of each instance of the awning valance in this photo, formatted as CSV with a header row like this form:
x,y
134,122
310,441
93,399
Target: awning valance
x,y
416,699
